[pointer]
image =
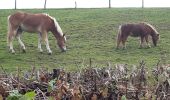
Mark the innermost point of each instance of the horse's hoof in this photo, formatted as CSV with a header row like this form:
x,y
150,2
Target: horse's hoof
x,y
24,51
149,46
117,48
63,51
124,48
49,53
140,47
13,52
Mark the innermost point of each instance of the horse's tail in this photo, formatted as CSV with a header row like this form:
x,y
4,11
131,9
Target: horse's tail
x,y
8,28
119,36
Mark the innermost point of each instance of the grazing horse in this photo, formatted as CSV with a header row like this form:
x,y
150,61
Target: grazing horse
x,y
142,30
38,23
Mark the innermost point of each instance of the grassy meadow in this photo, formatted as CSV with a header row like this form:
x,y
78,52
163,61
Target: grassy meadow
x,y
91,33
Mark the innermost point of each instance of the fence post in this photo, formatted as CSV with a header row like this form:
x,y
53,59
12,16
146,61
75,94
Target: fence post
x,y
109,3
142,3
75,4
15,4
45,4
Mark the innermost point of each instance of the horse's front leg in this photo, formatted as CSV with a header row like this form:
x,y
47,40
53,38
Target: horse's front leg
x,y
141,42
147,41
45,36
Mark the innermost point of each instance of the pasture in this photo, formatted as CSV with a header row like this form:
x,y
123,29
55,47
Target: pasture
x,y
91,33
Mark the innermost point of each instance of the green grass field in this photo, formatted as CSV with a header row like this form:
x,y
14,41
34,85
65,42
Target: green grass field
x,y
91,34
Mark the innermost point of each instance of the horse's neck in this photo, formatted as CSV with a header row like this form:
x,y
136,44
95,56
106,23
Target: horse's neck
x,y
153,34
54,29
56,34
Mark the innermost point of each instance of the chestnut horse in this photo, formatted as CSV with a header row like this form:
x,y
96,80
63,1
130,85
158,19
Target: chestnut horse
x,y
38,23
142,30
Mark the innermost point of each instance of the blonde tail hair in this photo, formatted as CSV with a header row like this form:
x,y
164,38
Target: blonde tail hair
x,y
119,36
8,28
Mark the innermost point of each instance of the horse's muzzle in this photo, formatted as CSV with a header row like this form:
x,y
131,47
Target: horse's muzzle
x,y
63,49
155,44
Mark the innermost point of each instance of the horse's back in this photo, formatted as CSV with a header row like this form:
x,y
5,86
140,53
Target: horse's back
x,y
135,29
30,22
16,18
28,17
128,29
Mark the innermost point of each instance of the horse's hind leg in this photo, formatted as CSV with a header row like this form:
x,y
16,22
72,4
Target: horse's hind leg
x,y
123,43
141,42
123,40
118,43
119,40
39,42
10,38
18,35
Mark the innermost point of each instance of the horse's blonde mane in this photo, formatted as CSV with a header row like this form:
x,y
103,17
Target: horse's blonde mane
x,y
152,27
55,23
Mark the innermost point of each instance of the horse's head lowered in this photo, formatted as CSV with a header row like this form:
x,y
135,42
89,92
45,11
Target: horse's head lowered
x,y
61,43
61,38
155,35
155,39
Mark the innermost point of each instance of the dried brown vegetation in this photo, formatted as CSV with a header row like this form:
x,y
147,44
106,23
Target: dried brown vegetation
x,y
107,83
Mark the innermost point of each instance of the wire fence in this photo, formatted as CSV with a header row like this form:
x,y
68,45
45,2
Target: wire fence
x,y
44,4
